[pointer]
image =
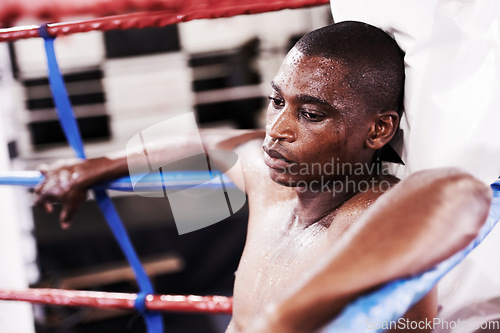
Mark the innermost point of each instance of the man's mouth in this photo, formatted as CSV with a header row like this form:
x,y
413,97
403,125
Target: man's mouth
x,y
276,160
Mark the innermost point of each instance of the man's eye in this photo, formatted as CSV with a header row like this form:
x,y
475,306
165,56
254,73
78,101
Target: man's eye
x,y
277,102
311,116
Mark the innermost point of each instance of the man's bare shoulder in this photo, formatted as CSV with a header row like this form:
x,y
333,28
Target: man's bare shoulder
x,y
258,184
250,156
247,146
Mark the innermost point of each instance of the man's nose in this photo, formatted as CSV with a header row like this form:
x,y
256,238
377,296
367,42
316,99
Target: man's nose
x,y
281,126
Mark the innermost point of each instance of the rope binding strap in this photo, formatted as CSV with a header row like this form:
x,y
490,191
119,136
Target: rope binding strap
x,y
69,125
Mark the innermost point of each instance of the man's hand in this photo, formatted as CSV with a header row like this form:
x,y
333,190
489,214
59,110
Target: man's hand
x,y
67,182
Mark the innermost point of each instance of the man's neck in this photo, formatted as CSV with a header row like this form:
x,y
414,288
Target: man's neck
x,y
314,205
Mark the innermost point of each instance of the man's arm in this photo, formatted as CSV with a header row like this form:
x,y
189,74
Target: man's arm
x,y
68,184
420,222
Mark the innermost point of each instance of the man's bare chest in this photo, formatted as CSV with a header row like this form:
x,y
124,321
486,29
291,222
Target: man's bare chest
x,y
273,261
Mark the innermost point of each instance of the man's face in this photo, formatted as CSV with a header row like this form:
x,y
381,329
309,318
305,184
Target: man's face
x,y
315,124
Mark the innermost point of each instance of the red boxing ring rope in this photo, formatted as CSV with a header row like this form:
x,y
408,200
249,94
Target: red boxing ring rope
x,y
189,12
123,301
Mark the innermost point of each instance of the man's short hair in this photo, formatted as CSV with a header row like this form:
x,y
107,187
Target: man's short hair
x,y
374,61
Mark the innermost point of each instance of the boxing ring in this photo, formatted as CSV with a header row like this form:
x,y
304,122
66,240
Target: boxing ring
x,y
388,303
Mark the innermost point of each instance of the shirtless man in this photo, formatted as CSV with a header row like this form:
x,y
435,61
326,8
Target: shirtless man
x,y
316,240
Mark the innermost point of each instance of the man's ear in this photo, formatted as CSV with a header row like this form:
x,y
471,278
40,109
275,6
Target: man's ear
x,y
382,129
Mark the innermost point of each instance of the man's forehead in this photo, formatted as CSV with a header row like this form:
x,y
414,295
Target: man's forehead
x,y
296,58
293,57
313,75
300,68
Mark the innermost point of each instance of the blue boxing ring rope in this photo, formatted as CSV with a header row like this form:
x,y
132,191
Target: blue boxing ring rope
x,y
68,122
386,304
176,180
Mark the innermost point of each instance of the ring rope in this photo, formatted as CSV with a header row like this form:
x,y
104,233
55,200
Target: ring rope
x,y
69,125
124,301
188,12
172,180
